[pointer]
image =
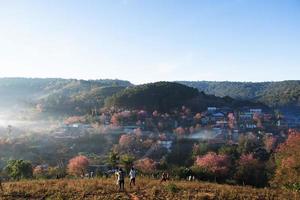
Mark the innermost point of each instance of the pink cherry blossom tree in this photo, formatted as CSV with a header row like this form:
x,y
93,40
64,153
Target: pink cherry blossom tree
x,y
77,165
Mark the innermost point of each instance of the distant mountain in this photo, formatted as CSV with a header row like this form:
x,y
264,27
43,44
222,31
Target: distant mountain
x,y
63,95
274,94
73,96
165,96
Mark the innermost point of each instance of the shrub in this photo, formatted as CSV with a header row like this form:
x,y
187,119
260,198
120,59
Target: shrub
x,y
19,169
171,187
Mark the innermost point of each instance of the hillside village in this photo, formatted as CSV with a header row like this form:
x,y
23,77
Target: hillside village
x,y
186,133
216,126
224,123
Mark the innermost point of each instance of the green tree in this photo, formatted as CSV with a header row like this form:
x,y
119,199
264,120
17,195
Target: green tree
x,y
229,150
200,149
127,161
113,159
248,144
19,169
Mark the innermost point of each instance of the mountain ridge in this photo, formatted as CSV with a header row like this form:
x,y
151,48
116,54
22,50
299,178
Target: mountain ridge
x,y
51,92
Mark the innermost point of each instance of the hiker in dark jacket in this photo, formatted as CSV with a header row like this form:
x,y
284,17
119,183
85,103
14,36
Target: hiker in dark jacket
x,y
120,178
1,187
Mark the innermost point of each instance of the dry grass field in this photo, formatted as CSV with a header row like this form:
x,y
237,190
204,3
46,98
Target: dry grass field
x,y
146,189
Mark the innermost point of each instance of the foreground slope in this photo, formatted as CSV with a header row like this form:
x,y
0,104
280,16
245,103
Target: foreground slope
x,y
145,189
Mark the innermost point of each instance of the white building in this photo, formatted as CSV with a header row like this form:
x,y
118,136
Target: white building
x,y
211,109
166,144
256,110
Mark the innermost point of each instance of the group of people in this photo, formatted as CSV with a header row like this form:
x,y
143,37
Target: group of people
x,y
121,178
120,173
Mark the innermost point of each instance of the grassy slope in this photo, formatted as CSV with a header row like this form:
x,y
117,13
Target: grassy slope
x,y
146,189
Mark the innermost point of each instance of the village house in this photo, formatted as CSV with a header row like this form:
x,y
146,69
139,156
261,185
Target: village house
x,y
166,144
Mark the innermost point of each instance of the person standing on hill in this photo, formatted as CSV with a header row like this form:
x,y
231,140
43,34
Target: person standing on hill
x,y
132,175
1,187
120,178
164,177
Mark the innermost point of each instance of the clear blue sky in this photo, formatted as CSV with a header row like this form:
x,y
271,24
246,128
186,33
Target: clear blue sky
x,y
150,40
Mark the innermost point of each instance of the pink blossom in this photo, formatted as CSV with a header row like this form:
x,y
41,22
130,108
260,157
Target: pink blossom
x,y
214,163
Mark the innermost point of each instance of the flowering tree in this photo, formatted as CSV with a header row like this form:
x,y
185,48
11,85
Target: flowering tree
x,y
125,114
180,131
198,116
146,165
155,113
77,165
147,143
162,136
74,119
122,117
126,140
231,120
142,114
115,119
247,159
138,132
288,163
270,143
39,170
257,119
216,164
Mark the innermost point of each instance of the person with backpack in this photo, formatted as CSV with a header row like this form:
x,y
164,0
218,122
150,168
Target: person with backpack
x,y
132,175
120,178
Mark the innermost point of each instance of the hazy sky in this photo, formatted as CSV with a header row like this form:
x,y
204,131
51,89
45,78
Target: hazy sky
x,y
151,40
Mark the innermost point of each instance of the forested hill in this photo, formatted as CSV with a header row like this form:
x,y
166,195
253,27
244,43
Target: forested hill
x,y
274,94
53,94
165,96
73,96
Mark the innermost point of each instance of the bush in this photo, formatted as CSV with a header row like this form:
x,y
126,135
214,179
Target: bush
x,y
171,187
19,169
182,172
202,174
